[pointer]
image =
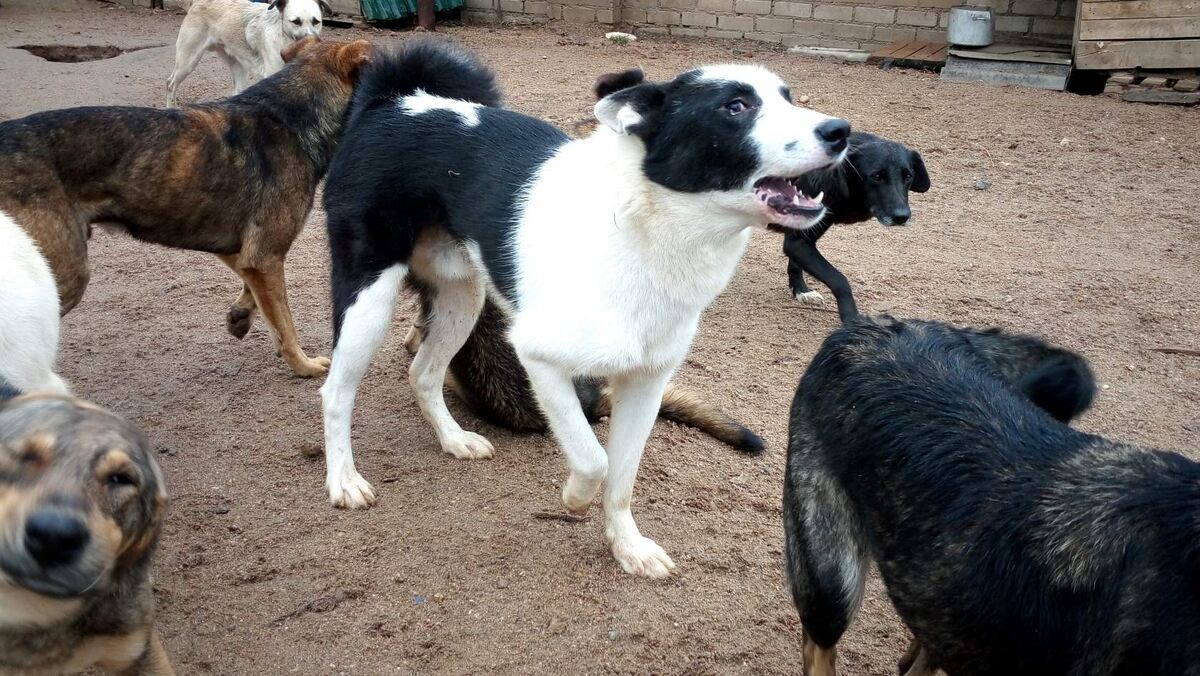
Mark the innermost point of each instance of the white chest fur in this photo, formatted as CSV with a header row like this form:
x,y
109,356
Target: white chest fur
x,y
613,270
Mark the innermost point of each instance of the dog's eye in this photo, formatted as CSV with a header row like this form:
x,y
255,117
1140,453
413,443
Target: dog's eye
x,y
297,21
877,177
906,176
736,106
120,479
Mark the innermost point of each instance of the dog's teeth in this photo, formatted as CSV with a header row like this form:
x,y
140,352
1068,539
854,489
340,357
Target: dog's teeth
x,y
820,196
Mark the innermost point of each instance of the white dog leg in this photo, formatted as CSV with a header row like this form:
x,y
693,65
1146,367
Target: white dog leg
x,y
241,79
29,319
364,326
586,460
636,400
456,306
189,47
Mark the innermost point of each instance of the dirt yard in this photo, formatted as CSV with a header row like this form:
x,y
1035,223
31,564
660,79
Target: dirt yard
x,y
1088,234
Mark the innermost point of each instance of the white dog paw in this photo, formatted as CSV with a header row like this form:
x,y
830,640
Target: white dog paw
x,y
350,491
468,446
810,298
642,556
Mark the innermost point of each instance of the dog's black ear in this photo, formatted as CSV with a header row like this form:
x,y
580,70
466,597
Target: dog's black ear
x,y
326,10
277,4
920,182
632,110
615,82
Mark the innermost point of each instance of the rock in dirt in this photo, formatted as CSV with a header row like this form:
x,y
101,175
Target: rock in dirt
x,y
982,184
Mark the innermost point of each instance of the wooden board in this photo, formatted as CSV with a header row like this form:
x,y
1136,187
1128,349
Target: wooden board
x,y
911,54
1157,96
1139,9
1090,55
1140,29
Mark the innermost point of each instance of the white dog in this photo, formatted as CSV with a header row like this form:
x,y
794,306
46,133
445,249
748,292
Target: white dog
x,y
247,35
28,313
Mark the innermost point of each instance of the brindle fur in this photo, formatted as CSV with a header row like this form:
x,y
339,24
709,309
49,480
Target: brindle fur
x,y
235,178
1009,542
487,375
52,450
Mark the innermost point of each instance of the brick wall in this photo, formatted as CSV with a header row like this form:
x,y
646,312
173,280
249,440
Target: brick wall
x,y
854,24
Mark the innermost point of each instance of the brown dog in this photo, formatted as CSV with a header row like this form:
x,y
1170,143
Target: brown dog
x,y
235,178
81,504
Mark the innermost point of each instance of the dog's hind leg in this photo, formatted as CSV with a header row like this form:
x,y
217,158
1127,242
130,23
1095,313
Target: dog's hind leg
x,y
362,317
266,282
189,48
826,556
636,399
241,313
456,305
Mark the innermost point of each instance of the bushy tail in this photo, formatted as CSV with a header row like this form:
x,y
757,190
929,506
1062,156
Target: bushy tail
x,y
1062,386
434,66
687,408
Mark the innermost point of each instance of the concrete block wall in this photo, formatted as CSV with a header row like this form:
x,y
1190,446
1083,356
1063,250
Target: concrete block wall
x,y
853,24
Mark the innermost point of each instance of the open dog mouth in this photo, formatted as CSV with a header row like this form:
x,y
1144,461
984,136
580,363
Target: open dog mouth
x,y
786,205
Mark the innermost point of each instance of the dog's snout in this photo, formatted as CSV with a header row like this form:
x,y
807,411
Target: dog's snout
x,y
901,216
834,134
55,538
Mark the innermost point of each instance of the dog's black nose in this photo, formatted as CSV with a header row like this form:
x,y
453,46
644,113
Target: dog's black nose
x,y
53,538
834,134
901,216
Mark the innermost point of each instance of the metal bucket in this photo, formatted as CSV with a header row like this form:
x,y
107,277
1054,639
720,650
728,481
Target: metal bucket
x,y
970,26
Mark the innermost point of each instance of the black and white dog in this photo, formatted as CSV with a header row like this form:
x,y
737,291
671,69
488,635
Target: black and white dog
x,y
1009,542
602,251
873,182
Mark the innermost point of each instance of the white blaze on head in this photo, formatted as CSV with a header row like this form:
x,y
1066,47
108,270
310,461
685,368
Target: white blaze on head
x,y
301,18
784,133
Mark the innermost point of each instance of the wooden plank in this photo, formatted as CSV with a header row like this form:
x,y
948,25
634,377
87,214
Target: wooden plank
x,y
1116,55
887,50
925,52
909,49
1139,9
940,55
1140,29
1160,96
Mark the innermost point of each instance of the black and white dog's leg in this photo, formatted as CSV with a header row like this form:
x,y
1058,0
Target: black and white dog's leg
x,y
554,388
362,326
826,557
457,303
636,399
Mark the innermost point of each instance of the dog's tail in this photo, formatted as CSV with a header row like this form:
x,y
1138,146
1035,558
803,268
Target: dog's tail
x,y
433,66
688,408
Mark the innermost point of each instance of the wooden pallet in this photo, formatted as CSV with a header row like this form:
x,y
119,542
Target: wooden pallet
x,y
911,54
1149,87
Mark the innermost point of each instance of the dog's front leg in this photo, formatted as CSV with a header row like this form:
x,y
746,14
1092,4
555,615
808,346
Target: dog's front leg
x,y
555,392
636,400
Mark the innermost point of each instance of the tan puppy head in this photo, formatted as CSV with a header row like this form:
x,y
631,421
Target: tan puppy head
x,y
301,18
81,498
343,60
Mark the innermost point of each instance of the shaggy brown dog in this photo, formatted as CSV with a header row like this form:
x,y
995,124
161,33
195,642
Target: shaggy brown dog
x,y
234,178
81,504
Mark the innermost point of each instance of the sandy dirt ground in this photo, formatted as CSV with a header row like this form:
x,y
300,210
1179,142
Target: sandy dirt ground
x,y
1088,234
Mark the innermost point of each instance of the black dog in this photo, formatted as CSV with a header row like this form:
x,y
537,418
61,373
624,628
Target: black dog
x,y
873,182
1009,542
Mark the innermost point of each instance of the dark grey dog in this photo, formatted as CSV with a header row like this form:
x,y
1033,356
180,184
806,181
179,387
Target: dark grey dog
x,y
1009,542
873,182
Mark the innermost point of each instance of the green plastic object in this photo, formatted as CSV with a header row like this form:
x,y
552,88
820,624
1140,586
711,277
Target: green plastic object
x,y
385,10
